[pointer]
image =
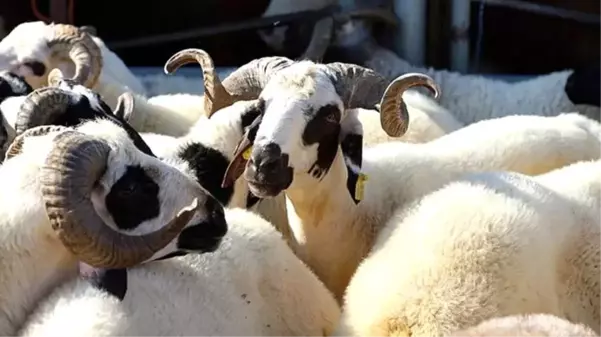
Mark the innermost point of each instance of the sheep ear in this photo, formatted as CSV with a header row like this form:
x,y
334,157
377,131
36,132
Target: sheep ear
x,y
351,144
241,154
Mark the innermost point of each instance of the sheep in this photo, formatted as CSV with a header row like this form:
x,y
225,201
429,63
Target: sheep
x,y
526,325
472,98
305,143
12,88
62,185
208,147
487,245
253,285
32,49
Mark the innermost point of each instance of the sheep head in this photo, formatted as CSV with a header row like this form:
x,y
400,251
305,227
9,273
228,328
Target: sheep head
x,y
303,118
32,49
69,103
115,207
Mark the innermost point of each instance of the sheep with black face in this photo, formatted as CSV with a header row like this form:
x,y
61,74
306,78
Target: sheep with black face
x,y
89,197
12,88
306,142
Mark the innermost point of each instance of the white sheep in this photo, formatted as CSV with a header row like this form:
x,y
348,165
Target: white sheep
x,y
89,195
487,245
472,98
526,325
252,285
208,147
316,156
29,50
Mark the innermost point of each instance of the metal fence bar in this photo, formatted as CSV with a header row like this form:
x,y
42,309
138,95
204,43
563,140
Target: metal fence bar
x,y
460,40
547,10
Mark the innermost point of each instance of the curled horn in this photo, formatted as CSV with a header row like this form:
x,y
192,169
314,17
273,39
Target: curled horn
x,y
394,116
70,42
358,87
125,106
215,95
320,40
71,170
16,147
247,82
41,107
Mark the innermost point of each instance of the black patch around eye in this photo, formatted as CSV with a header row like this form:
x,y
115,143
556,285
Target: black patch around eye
x,y
37,68
84,111
113,281
133,199
249,115
209,166
320,125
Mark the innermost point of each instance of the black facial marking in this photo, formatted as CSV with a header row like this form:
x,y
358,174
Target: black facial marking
x,y
133,199
206,236
352,149
83,111
251,113
113,281
209,166
12,85
324,129
37,68
583,87
324,123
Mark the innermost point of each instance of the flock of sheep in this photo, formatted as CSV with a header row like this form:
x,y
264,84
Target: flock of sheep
x,y
292,198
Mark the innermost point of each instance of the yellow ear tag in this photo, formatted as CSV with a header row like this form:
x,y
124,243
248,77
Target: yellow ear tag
x,y
360,186
246,154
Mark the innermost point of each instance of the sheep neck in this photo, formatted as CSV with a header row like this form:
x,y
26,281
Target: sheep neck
x,y
321,215
32,261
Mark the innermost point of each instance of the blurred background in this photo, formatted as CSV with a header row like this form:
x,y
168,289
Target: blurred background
x,y
500,37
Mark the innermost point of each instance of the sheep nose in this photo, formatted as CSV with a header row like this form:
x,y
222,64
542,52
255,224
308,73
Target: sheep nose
x,y
268,159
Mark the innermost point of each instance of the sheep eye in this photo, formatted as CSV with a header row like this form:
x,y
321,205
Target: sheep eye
x,y
331,117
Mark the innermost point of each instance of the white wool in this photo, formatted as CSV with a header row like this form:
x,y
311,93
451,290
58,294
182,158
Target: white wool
x,y
488,245
252,285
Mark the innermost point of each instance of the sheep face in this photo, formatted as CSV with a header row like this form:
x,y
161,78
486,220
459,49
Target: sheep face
x,y
100,191
11,85
32,49
301,123
68,103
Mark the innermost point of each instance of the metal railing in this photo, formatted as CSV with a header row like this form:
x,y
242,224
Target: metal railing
x,y
460,22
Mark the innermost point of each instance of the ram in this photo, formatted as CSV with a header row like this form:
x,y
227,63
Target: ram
x,y
13,88
252,285
33,49
526,325
89,195
472,98
309,145
488,245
